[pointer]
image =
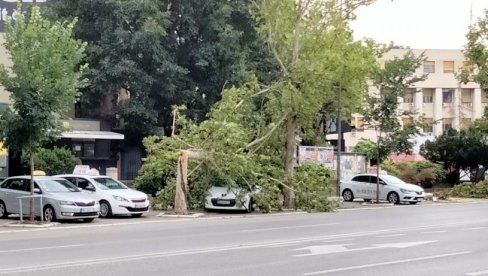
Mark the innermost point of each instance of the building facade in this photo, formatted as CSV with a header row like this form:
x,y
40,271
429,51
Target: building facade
x,y
441,99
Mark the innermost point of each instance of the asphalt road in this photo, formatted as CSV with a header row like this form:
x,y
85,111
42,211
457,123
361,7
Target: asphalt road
x,y
443,239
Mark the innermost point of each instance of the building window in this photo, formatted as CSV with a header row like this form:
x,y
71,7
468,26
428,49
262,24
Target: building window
x,y
89,149
447,94
83,149
408,99
429,66
428,99
446,126
428,128
428,95
448,66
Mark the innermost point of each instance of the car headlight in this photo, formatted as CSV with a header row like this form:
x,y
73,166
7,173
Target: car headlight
x,y
119,198
69,203
405,191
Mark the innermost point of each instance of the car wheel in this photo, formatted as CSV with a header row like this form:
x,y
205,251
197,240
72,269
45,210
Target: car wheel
x,y
88,219
49,214
348,195
393,198
105,209
413,203
3,210
136,215
249,206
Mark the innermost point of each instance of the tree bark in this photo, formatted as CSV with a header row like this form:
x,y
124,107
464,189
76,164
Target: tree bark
x,y
289,194
181,207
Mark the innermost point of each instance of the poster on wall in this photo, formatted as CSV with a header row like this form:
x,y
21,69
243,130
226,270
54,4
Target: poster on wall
x,y
7,9
322,155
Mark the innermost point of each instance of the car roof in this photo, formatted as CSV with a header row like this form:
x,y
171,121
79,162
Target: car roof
x,y
37,177
82,175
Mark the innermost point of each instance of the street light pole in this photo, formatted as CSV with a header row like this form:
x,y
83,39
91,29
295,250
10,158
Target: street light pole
x,y
339,141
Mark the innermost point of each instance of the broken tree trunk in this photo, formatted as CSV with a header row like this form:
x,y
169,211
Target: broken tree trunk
x,y
181,206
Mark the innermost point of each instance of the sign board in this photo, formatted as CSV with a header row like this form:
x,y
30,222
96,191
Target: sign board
x,y
85,170
321,155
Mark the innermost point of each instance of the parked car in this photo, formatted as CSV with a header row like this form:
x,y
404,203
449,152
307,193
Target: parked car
x,y
60,199
114,197
392,189
223,198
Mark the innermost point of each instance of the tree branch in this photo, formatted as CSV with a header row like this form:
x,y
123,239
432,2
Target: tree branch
x,y
261,139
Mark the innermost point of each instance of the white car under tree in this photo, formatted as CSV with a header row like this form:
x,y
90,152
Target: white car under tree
x,y
391,189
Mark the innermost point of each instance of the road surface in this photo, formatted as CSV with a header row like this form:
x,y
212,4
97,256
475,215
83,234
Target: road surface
x,y
442,239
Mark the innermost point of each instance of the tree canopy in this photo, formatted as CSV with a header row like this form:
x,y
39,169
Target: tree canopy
x,y
43,81
162,53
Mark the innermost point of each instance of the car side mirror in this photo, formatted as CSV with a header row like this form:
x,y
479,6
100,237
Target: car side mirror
x,y
37,191
91,189
382,182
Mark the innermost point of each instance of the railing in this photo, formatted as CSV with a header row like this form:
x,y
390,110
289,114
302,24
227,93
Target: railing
x,y
30,196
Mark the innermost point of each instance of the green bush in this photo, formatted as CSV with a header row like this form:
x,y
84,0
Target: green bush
x,y
470,190
312,181
424,173
55,161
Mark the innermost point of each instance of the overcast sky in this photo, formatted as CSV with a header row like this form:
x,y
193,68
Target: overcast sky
x,y
420,24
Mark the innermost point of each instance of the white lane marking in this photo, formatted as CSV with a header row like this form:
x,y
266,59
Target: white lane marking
x,y
338,240
289,227
39,248
478,273
340,248
474,228
390,236
387,263
433,232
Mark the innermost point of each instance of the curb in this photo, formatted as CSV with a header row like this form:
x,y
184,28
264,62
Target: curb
x,y
196,215
29,225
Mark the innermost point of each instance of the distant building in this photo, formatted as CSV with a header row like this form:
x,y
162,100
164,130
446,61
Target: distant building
x,y
444,102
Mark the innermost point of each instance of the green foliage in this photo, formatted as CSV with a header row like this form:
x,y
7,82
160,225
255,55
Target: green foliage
x,y
424,173
164,53
313,184
465,149
476,54
470,190
43,80
381,111
55,161
367,147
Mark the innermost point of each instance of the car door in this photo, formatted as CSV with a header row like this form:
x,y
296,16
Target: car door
x,y
373,187
18,188
361,184
7,195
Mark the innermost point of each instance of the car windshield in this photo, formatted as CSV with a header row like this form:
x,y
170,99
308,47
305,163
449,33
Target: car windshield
x,y
390,179
57,186
106,183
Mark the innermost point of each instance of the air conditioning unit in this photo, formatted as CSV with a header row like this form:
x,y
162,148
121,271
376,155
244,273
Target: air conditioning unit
x,y
412,104
469,104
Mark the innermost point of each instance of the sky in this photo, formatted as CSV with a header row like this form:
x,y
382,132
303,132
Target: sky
x,y
419,24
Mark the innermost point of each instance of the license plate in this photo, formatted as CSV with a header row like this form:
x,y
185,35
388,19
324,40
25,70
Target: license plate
x,y
139,205
86,210
223,202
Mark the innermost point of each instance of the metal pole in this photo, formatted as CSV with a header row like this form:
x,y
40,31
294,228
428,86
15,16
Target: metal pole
x,y
339,141
40,208
20,207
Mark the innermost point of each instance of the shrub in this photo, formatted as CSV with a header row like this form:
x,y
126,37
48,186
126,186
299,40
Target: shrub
x,y
55,161
470,190
424,173
312,195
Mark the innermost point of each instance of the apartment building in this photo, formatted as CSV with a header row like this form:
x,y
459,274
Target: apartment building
x,y
443,101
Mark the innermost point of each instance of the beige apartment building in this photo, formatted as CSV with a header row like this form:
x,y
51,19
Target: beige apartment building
x,y
443,101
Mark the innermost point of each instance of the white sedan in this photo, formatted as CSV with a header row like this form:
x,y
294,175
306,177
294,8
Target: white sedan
x,y
114,197
223,198
391,188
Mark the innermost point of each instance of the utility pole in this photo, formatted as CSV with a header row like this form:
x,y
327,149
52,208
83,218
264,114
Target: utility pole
x,y
339,141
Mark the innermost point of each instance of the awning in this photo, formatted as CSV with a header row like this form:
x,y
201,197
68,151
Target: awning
x,y
78,134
